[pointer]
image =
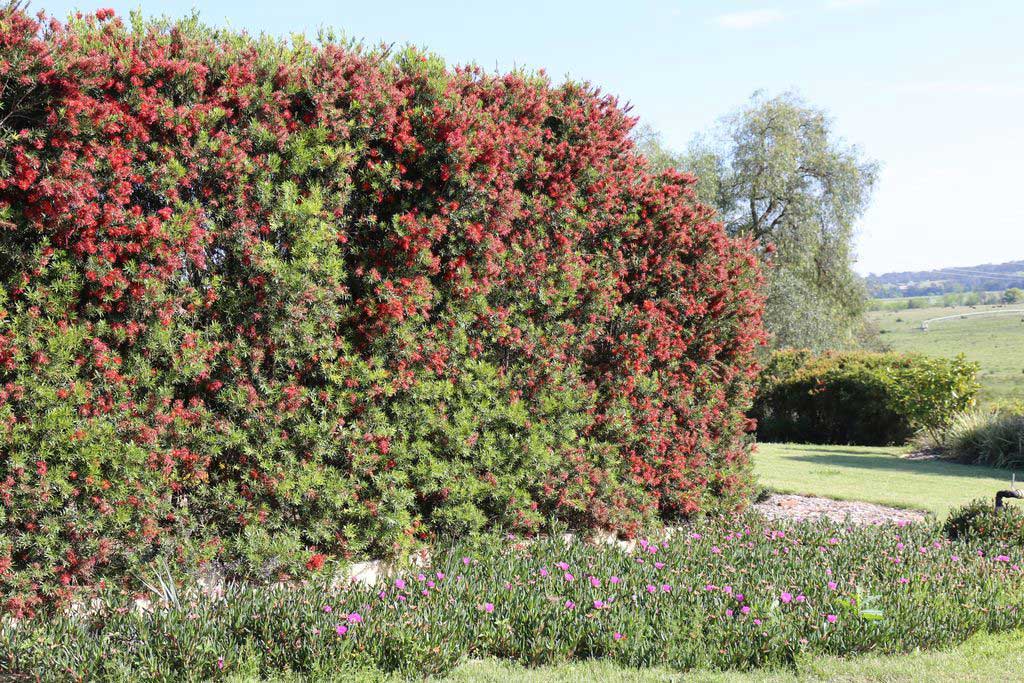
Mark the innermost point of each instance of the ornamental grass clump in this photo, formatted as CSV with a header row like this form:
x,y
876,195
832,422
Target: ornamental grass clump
x,y
737,594
282,303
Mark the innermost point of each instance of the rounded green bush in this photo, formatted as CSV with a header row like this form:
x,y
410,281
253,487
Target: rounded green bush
x,y
980,521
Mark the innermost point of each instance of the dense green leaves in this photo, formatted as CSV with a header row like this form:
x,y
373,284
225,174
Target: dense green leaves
x,y
868,399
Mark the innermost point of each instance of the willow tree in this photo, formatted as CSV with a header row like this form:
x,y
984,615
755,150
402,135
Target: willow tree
x,y
776,171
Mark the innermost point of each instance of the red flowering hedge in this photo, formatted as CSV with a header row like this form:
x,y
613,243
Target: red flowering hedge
x,y
276,302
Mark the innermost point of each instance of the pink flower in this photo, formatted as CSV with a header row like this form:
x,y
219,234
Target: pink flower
x,y
666,588
543,571
830,618
651,589
801,598
832,585
598,604
659,565
355,618
1002,558
569,604
488,607
220,660
745,609
327,609
399,584
904,579
786,598
569,577
421,577
465,560
341,629
595,582
614,579
716,550
728,612
562,565
617,636
696,537
440,576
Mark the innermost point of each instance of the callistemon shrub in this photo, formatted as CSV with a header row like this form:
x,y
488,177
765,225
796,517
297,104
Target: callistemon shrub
x,y
284,302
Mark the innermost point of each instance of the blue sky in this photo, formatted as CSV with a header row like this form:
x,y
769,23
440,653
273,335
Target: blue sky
x,y
933,89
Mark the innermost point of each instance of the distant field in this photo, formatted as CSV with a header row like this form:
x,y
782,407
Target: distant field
x,y
996,342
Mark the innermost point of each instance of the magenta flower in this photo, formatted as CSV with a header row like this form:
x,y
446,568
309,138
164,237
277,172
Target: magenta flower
x,y
830,618
421,577
716,550
1002,558
832,585
488,607
728,612
569,604
617,636
666,588
465,560
659,565
786,598
399,584
745,609
327,609
614,579
569,577
341,629
543,571
598,604
220,661
595,582
562,565
440,576
651,589
355,618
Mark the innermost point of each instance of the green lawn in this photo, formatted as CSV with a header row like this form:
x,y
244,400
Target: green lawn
x,y
996,342
982,658
876,475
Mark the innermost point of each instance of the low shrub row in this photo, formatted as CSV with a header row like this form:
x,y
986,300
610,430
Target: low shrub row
x,y
736,594
869,399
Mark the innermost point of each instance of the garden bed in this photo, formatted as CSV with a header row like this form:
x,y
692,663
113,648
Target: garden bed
x,y
733,595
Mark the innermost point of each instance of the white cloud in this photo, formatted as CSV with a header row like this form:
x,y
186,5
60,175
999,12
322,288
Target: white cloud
x,y
746,20
850,4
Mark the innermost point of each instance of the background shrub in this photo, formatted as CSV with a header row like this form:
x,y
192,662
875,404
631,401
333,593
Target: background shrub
x,y
277,302
870,399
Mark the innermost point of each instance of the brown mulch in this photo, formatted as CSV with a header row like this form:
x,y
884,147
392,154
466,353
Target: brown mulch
x,y
801,508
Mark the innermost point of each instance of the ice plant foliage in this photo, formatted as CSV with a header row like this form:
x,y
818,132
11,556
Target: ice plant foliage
x,y
303,300
725,610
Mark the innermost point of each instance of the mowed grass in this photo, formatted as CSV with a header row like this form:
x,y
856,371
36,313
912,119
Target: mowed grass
x,y
876,475
996,342
984,657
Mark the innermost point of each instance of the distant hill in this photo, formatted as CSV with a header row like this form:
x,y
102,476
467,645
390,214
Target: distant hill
x,y
988,277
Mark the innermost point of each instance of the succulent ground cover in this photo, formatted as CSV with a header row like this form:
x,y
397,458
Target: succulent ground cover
x,y
733,594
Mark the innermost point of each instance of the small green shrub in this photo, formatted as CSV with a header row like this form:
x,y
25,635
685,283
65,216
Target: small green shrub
x,y
978,521
870,399
992,437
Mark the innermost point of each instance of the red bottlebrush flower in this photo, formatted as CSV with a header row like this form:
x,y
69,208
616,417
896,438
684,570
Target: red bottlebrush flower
x,y
316,562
